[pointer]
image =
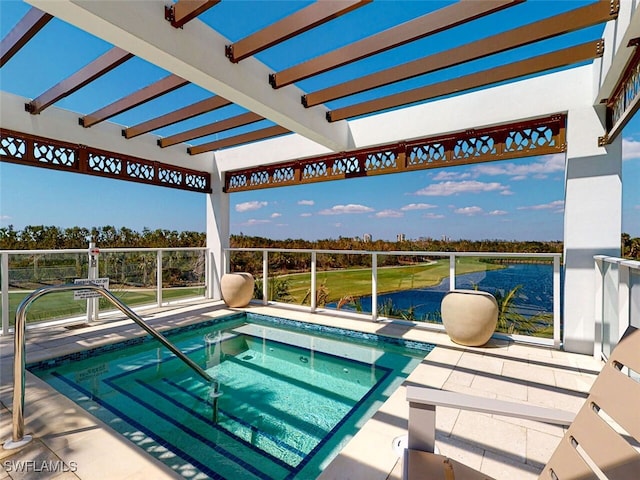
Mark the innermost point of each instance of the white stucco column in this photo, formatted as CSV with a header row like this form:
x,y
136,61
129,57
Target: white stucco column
x,y
217,231
592,220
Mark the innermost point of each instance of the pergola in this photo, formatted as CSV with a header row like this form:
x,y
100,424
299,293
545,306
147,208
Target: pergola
x,y
269,94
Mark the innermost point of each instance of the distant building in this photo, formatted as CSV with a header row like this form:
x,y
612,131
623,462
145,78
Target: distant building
x,y
366,238
400,237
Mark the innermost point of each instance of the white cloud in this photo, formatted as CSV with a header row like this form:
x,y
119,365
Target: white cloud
x,y
342,209
470,211
556,205
306,202
630,149
305,214
418,206
539,169
498,212
432,216
444,175
248,206
467,186
254,221
5,217
389,214
276,215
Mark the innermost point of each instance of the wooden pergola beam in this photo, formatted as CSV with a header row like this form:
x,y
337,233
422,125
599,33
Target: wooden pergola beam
x,y
530,66
571,21
103,64
190,111
22,32
217,127
299,22
146,94
254,136
184,11
429,24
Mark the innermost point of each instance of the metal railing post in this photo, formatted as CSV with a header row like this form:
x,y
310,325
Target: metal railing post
x,y
598,308
265,277
207,275
452,272
556,302
18,438
159,277
314,299
374,287
4,286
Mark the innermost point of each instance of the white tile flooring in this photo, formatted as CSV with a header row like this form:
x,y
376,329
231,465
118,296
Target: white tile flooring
x,y
505,448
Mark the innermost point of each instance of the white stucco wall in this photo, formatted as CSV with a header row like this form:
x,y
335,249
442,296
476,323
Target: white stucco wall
x,y
592,220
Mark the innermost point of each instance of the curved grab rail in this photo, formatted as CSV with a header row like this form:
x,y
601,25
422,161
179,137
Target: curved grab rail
x,y
19,438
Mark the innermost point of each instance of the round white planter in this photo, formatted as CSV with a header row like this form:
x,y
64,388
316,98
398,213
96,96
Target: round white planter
x,y
469,316
237,288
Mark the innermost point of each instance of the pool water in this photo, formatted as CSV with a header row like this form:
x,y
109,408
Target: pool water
x,y
283,403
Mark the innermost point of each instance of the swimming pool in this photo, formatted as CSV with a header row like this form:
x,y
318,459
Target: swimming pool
x,y
286,397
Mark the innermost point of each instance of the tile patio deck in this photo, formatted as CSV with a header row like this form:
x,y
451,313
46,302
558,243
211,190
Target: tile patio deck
x,y
502,447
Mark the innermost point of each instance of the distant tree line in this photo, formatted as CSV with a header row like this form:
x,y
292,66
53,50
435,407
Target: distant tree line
x,y
34,237
291,262
51,237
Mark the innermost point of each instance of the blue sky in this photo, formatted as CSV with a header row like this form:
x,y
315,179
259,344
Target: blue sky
x,y
508,200
520,199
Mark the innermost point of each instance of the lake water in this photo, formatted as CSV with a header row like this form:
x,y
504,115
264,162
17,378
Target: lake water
x,y
534,296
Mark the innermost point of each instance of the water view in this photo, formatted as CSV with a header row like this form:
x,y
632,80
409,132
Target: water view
x,y
534,295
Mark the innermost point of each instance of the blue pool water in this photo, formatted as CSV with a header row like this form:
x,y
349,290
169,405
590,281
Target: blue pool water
x,y
292,394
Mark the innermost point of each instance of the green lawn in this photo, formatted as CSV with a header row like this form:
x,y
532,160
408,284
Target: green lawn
x,y
357,282
61,304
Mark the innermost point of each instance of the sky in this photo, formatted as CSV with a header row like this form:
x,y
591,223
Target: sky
x,y
511,200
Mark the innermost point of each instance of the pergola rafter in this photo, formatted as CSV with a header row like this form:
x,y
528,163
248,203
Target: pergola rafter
x,y
184,11
103,64
541,63
518,37
24,31
146,94
190,111
421,27
262,134
217,127
299,22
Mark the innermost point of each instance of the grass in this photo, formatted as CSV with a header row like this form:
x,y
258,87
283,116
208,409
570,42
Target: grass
x,y
357,282
61,304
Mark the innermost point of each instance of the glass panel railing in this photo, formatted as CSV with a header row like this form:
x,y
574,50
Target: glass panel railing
x,y
183,274
342,280
28,272
634,298
610,312
132,276
289,277
411,287
523,287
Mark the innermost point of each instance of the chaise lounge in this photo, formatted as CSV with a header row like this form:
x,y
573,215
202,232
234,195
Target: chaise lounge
x,y
602,442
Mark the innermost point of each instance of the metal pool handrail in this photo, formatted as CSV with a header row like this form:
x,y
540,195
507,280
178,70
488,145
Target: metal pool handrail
x,y
19,438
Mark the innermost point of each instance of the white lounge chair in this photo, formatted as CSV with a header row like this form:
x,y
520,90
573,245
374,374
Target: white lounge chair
x,y
600,443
